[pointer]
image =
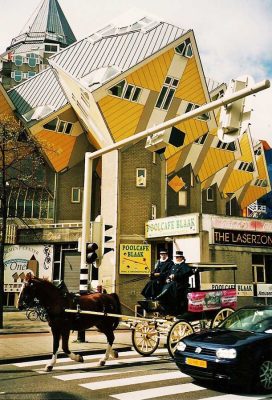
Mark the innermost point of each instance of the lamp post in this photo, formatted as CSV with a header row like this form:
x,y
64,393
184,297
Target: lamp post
x,y
230,198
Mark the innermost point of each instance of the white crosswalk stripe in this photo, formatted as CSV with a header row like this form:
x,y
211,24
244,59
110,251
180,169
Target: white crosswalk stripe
x,y
158,392
125,374
132,380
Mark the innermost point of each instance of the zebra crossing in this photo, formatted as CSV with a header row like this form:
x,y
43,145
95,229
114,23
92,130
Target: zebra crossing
x,y
132,376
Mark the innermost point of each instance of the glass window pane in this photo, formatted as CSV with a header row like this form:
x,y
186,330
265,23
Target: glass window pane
x,y
21,203
36,205
168,80
29,203
117,89
161,96
136,94
32,62
168,99
128,92
190,107
44,205
18,60
18,76
12,204
51,125
260,273
180,48
189,51
68,127
61,126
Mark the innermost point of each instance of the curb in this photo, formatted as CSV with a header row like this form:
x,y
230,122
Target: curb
x,y
38,357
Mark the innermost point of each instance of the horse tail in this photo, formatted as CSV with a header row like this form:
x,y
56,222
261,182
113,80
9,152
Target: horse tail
x,y
118,309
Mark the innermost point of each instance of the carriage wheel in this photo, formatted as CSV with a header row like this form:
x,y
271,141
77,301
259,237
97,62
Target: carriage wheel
x,y
177,331
145,338
220,316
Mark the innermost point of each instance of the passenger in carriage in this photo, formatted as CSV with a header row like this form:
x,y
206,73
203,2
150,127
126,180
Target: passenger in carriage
x,y
158,276
173,297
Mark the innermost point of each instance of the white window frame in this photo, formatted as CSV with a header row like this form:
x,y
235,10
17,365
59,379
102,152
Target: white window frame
x,y
153,211
73,191
169,86
182,198
124,91
210,194
140,177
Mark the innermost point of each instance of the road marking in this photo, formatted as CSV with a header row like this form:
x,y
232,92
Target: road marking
x,y
158,392
84,375
120,361
132,380
88,357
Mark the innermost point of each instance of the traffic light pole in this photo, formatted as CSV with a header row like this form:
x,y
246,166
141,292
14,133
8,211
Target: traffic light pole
x,y
89,157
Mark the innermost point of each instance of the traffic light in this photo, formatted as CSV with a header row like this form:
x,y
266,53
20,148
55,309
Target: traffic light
x,y
235,117
158,141
106,239
91,255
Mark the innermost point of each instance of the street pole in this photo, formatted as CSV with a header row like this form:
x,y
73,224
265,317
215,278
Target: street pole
x,y
141,135
86,227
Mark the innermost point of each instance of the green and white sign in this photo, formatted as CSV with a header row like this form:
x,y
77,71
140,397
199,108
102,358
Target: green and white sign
x,y
172,226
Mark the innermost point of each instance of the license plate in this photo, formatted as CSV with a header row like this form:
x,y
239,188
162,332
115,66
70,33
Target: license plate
x,y
196,363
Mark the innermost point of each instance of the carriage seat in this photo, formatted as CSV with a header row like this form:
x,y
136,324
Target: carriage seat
x,y
150,305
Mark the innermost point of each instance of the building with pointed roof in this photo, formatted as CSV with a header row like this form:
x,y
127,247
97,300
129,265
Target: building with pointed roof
x,y
46,33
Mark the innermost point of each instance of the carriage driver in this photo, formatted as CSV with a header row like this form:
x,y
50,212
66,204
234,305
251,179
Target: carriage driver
x,y
158,276
173,297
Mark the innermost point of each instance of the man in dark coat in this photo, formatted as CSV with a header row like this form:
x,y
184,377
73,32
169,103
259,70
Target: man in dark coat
x,y
173,297
158,276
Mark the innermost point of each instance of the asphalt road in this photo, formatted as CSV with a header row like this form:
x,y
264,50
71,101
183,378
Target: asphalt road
x,y
130,377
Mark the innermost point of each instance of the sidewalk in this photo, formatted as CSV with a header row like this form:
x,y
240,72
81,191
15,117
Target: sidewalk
x,y
21,338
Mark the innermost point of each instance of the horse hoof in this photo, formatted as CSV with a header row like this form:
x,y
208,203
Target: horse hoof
x,y
48,368
115,354
80,359
102,363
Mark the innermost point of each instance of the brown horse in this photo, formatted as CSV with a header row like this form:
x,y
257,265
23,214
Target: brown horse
x,y
55,301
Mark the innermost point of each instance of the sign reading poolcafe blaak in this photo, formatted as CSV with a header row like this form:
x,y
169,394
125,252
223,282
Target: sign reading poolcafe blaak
x,y
242,238
171,226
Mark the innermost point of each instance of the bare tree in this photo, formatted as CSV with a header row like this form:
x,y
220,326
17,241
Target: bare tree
x,y
20,162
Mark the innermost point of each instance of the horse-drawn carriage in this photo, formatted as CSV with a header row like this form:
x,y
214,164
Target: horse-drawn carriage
x,y
205,308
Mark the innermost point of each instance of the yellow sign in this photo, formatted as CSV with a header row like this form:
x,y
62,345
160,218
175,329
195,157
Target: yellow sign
x,y
135,259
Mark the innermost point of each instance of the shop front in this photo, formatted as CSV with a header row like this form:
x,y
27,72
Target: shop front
x,y
206,238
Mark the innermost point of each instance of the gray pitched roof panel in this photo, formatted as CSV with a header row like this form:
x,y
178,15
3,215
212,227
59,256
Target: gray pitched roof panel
x,y
117,48
42,90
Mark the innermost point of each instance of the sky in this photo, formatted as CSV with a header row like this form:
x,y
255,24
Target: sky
x,y
234,37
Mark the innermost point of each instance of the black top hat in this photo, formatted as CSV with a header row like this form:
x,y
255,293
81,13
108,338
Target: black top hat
x,y
163,251
179,253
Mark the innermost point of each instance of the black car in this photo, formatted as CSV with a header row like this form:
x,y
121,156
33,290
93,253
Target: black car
x,y
239,350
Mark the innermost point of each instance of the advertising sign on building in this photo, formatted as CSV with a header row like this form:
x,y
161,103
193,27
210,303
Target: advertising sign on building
x,y
242,289
135,259
19,260
172,226
242,238
264,289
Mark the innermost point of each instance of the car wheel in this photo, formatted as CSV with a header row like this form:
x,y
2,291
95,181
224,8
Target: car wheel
x,y
264,377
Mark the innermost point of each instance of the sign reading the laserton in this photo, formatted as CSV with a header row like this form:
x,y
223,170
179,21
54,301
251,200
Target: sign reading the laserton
x,y
242,238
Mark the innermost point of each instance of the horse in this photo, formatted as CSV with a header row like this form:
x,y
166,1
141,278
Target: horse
x,y
55,301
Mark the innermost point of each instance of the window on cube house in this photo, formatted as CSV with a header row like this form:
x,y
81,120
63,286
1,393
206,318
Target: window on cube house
x,y
167,93
185,49
126,91
58,125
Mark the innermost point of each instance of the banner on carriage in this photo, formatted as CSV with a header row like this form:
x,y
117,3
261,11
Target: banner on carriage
x,y
211,300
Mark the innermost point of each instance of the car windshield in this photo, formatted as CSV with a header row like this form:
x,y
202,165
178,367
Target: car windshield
x,y
249,319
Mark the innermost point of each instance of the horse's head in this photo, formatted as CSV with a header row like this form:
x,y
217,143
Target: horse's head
x,y
28,292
